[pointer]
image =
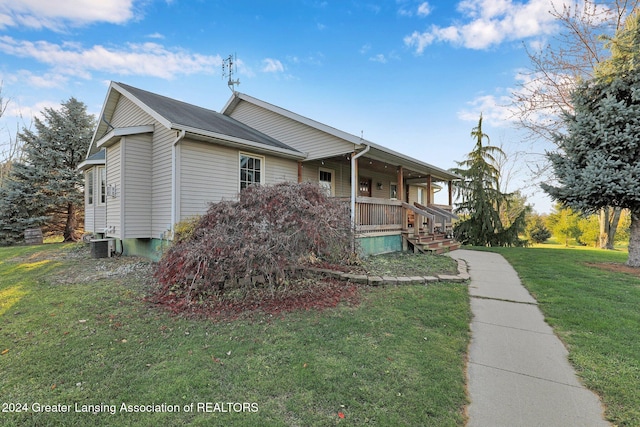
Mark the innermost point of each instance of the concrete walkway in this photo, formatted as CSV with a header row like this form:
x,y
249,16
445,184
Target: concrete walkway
x,y
518,372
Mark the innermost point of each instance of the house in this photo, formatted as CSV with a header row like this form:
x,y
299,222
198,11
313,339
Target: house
x,y
154,161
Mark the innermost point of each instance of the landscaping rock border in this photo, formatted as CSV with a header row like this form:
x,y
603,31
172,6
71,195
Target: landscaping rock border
x,y
365,279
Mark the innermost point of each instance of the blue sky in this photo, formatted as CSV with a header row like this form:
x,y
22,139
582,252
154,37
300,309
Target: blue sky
x,y
408,74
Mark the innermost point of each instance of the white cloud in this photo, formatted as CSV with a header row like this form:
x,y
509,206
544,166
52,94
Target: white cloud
x,y
494,109
379,58
424,9
56,15
145,59
487,23
419,40
408,8
47,80
499,110
271,65
156,36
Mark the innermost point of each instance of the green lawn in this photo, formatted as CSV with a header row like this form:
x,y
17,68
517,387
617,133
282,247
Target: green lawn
x,y
596,313
68,342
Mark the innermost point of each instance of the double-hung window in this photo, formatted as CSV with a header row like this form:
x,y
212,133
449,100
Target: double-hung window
x,y
102,185
251,170
89,183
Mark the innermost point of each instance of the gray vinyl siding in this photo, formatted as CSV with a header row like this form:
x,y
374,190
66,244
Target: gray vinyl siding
x,y
342,175
210,173
161,179
100,218
315,143
280,170
129,114
137,175
114,204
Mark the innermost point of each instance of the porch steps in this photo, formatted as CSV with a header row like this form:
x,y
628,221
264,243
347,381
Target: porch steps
x,y
437,243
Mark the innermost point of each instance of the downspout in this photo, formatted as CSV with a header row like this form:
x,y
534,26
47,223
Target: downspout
x,y
354,183
174,180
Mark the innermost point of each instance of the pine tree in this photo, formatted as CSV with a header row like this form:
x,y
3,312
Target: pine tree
x,y
47,188
481,198
598,164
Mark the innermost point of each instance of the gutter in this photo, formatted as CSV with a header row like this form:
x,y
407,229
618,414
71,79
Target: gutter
x,y
354,183
174,180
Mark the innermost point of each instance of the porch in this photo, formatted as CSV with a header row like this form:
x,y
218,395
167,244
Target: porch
x,y
398,225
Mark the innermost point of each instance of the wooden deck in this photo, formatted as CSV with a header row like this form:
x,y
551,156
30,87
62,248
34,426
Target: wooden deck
x,y
423,228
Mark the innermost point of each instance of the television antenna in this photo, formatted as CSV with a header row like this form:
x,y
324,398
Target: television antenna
x,y
228,68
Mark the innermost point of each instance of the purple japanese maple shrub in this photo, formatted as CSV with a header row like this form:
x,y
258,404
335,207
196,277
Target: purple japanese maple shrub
x,y
257,242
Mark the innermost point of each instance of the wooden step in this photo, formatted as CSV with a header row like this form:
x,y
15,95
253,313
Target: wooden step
x,y
432,244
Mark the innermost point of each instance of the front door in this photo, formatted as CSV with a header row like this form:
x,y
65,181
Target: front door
x,y
365,187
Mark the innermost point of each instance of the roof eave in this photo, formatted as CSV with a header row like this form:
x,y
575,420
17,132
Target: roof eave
x,y
87,164
114,134
246,144
411,162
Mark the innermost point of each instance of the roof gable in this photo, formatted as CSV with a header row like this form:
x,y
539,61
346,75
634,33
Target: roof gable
x,y
174,114
180,115
237,97
351,142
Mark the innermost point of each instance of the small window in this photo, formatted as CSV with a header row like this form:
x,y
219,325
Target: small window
x,y
89,187
251,170
102,185
393,190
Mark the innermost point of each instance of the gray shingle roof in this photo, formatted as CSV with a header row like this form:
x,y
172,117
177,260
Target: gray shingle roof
x,y
188,115
100,155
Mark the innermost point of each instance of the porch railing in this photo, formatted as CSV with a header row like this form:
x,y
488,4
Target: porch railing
x,y
375,215
384,216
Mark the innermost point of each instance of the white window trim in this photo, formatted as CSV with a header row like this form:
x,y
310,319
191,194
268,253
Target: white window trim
x,y
262,166
333,179
391,184
98,187
90,187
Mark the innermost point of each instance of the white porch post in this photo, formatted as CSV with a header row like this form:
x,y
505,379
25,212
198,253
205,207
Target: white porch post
x,y
354,183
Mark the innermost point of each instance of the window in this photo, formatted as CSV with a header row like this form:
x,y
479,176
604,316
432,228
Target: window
x,y
325,180
89,186
420,196
393,190
102,185
251,170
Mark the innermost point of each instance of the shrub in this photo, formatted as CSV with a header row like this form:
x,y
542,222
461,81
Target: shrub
x,y
256,243
185,229
536,230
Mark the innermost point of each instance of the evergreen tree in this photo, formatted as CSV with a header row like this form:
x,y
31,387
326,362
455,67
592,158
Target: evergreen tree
x,y
598,164
481,198
537,231
47,188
